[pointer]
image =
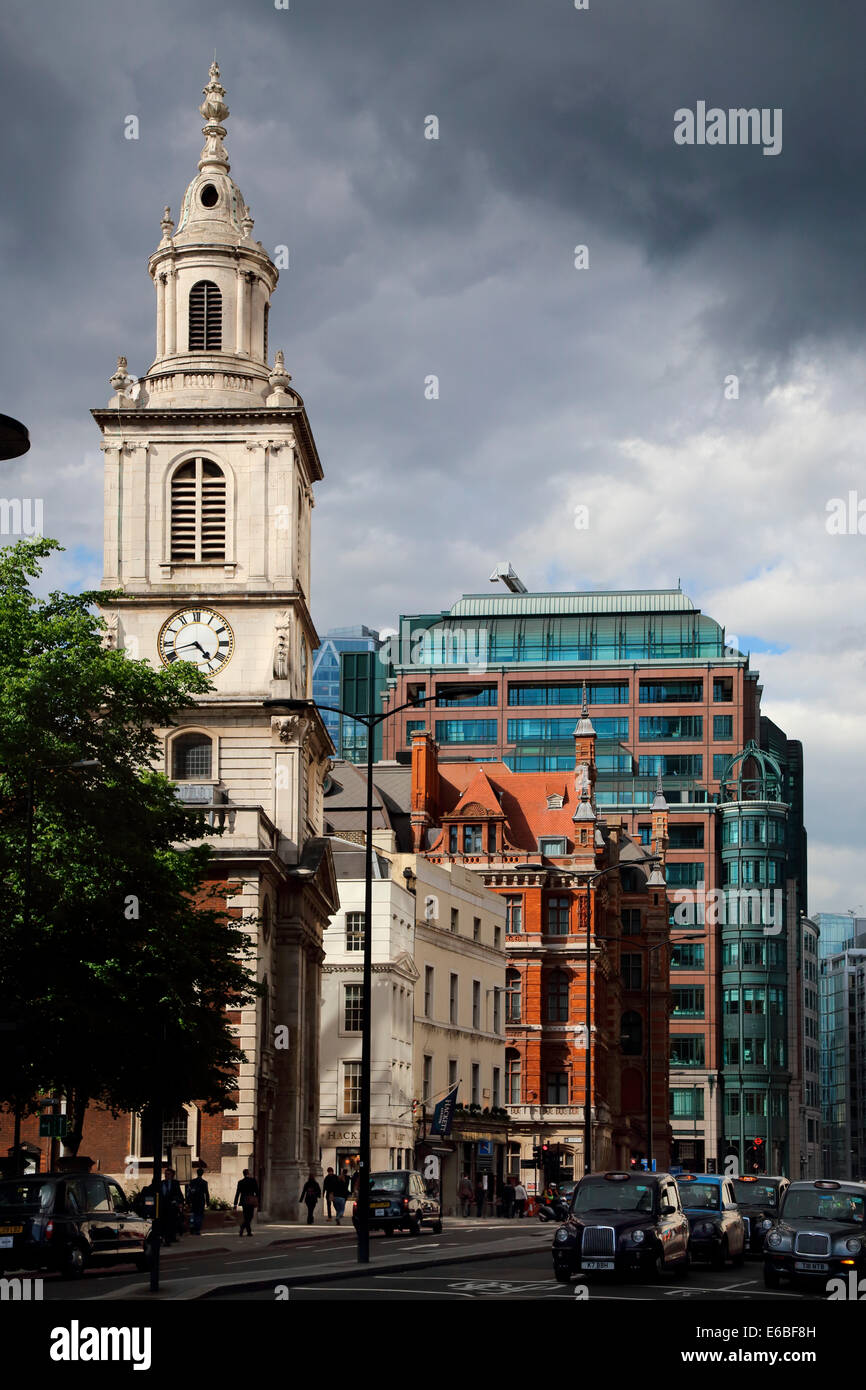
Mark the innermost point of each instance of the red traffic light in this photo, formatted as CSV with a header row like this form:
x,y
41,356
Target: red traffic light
x,y
758,1143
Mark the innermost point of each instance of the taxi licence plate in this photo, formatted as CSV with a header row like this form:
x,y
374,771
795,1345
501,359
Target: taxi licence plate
x,y
597,1264
11,1230
812,1266
6,1242
380,1211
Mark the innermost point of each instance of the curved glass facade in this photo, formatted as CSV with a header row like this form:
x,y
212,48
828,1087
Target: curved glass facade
x,y
753,935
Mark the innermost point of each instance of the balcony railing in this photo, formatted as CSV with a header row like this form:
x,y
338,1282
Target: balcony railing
x,y
242,827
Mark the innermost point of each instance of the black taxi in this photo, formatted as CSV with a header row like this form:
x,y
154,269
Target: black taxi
x,y
759,1200
622,1223
67,1221
717,1232
820,1231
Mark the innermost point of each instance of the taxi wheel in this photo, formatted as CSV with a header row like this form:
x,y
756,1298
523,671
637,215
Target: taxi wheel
x,y
145,1262
415,1227
739,1260
437,1228
772,1278
685,1265
721,1259
658,1265
562,1276
389,1230
74,1262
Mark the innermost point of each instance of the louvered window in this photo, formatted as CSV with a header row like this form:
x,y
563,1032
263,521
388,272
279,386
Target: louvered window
x,y
205,317
198,512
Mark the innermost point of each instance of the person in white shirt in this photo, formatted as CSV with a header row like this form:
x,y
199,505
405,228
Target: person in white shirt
x,y
520,1198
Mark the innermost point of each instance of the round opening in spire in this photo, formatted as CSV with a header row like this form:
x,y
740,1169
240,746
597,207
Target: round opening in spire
x,y
209,196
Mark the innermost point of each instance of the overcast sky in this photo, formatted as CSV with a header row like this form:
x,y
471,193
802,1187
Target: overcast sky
x,y
558,387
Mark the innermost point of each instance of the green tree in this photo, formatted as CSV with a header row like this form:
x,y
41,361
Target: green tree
x,y
119,964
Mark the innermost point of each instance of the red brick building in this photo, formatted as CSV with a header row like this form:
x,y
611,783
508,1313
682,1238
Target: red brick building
x,y
536,839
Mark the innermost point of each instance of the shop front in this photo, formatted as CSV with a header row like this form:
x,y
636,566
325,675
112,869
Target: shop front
x,y
391,1147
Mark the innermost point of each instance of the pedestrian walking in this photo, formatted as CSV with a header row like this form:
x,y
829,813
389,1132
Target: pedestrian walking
x,y
340,1197
310,1194
170,1208
520,1198
197,1195
480,1196
329,1187
247,1193
465,1193
508,1198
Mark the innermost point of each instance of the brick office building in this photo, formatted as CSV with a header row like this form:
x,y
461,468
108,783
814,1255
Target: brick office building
x,y
535,838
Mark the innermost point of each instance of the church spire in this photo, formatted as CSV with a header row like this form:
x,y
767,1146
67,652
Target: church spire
x,y
214,111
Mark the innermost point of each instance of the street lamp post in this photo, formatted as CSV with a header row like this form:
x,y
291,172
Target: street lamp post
x,y
371,721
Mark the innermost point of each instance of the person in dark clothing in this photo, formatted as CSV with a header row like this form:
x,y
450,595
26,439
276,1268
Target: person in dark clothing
x,y
341,1195
480,1196
508,1198
310,1193
247,1193
197,1194
329,1187
170,1208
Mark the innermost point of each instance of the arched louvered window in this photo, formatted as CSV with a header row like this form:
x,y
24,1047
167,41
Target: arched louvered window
x,y
198,512
205,317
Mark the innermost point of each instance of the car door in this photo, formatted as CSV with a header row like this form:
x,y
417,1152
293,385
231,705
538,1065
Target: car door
x,y
679,1237
130,1227
733,1220
100,1218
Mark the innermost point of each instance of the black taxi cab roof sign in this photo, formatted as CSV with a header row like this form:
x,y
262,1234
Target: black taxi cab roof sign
x,y
823,1182
617,1177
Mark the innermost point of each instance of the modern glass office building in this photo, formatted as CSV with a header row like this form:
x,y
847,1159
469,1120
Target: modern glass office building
x,y
843,1061
349,737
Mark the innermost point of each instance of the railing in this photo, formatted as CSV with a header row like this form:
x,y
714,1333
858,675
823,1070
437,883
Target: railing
x,y
242,827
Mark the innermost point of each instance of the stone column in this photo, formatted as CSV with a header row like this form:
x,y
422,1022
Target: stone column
x,y
160,316
241,313
171,312
285,1178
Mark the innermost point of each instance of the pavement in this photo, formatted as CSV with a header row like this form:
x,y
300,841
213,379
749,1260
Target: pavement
x,y
289,1252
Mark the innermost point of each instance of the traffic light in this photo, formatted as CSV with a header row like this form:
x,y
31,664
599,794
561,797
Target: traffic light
x,y
755,1156
536,1153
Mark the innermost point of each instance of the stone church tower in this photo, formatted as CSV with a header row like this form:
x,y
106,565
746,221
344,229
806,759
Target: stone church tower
x,y
210,464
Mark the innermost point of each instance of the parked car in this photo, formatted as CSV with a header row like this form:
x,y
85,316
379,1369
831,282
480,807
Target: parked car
x,y
717,1231
820,1232
399,1201
67,1221
759,1200
623,1223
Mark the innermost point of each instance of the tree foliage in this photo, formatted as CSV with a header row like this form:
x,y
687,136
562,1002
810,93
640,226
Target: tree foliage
x,y
116,989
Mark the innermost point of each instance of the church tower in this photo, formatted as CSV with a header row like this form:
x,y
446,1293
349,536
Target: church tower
x,y
210,464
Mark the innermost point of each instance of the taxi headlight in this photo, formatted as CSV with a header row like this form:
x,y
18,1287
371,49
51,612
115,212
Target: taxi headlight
x,y
766,1224
638,1237
854,1245
774,1240
704,1228
562,1236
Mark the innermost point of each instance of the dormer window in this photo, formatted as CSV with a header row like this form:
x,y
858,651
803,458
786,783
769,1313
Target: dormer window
x,y
205,317
552,848
472,839
554,802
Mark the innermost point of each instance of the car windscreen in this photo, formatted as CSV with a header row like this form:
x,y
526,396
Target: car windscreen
x,y
755,1194
700,1195
823,1206
598,1196
32,1196
388,1182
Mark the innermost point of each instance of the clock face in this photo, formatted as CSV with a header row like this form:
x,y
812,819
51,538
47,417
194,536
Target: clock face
x,y
199,635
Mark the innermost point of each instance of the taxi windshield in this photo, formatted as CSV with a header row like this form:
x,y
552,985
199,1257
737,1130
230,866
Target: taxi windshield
x,y
610,1196
701,1195
755,1194
823,1206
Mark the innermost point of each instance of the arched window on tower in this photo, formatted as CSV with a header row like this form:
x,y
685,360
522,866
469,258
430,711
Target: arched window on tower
x,y
191,757
205,317
198,512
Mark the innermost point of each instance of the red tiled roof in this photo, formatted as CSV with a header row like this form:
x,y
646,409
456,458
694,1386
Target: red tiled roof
x,y
522,797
